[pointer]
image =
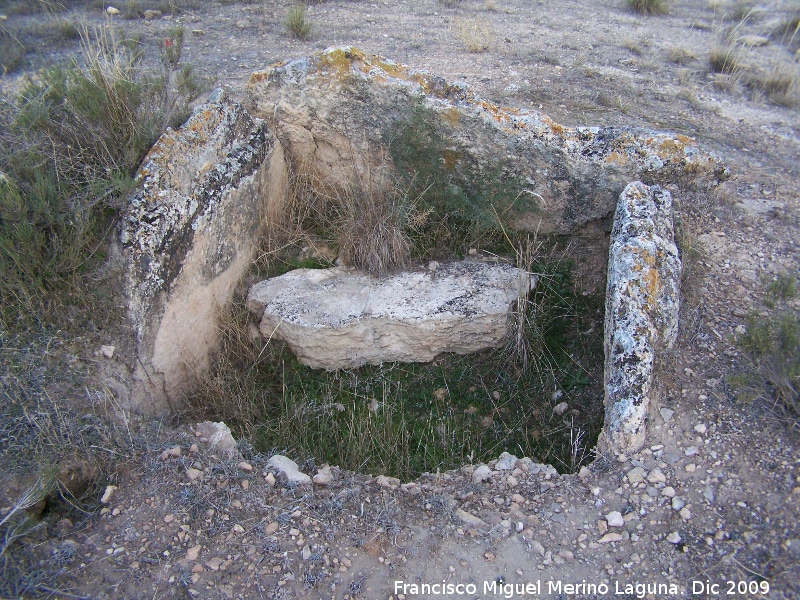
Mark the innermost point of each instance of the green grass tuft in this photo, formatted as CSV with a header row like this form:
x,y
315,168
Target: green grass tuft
x,y
297,23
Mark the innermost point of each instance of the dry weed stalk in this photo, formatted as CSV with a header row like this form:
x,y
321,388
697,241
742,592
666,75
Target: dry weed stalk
x,y
476,34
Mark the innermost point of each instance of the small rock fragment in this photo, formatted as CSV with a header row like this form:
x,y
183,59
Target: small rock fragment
x,y
245,466
610,537
112,11
271,528
193,553
107,351
193,473
324,476
388,482
656,476
173,452
560,408
218,437
614,519
505,462
674,538
482,473
471,520
700,428
666,414
269,478
636,475
288,468
110,489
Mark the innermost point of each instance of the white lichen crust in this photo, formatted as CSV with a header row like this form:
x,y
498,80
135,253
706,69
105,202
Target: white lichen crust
x,y
642,305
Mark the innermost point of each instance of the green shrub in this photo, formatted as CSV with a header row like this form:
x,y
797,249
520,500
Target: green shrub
x,y
70,144
297,23
648,7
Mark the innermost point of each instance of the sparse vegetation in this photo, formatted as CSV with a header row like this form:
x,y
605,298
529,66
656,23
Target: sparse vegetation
x,y
297,22
724,59
777,83
771,343
71,143
476,34
648,7
405,419
680,56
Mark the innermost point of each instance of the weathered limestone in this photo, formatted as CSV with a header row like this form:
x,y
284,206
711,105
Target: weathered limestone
x,y
642,304
342,107
189,235
334,319
209,190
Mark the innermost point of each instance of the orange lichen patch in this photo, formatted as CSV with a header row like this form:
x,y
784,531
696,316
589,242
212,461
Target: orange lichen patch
x,y
259,77
556,128
498,114
202,122
451,116
653,283
686,140
615,158
450,158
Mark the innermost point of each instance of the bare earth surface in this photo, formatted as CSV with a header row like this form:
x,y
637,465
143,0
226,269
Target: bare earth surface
x,y
714,499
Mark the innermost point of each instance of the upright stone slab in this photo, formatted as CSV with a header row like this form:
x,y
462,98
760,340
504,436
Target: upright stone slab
x,y
334,319
642,305
189,235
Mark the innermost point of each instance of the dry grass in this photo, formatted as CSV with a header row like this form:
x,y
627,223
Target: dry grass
x,y
680,56
724,58
476,34
648,7
364,223
771,344
778,83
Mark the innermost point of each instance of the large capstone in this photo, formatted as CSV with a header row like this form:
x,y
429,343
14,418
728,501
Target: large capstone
x,y
333,318
343,107
642,306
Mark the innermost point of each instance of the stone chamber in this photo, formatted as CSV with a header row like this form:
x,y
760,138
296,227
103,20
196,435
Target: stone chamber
x,y
211,191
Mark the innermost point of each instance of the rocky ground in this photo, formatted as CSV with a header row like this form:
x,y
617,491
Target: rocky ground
x,y
714,498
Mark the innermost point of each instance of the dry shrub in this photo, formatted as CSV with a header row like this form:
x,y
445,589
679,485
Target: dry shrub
x,y
777,83
365,221
476,34
648,7
681,56
371,230
724,59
